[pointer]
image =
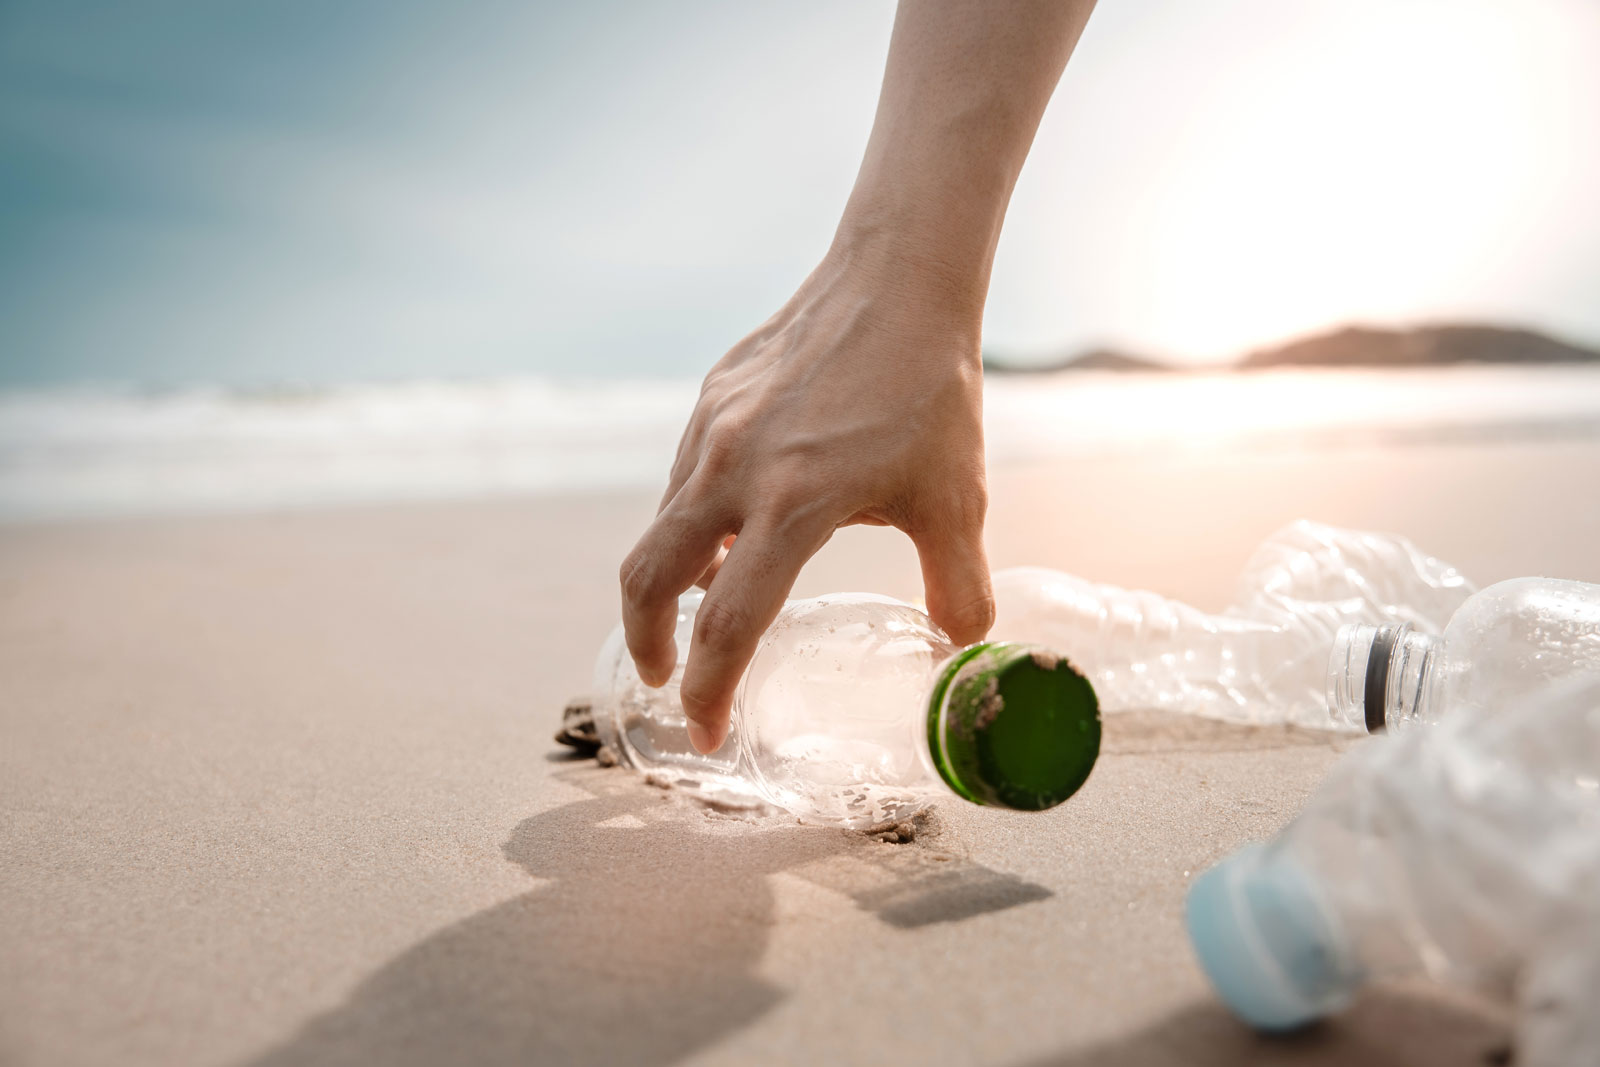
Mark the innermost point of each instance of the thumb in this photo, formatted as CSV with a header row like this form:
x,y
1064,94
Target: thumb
x,y
955,576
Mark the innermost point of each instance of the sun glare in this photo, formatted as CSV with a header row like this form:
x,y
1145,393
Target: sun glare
x,y
1373,162
1372,179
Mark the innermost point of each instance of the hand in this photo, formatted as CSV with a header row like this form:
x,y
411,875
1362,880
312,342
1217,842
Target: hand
x,y
859,402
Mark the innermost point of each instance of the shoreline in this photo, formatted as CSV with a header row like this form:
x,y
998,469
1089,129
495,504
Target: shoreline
x,y
203,452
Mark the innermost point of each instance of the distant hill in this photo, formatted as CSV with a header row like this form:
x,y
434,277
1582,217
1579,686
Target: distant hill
x,y
1094,359
1423,346
1349,346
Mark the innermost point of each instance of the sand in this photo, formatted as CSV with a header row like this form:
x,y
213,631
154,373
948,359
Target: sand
x,y
281,790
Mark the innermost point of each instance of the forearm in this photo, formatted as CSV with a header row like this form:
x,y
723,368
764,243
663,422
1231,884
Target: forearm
x,y
966,84
861,399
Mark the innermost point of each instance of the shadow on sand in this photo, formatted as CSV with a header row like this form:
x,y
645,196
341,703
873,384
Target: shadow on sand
x,y
618,958
1386,1030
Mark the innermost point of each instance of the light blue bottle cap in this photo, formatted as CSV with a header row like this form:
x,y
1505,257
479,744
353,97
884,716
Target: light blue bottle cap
x,y
1266,943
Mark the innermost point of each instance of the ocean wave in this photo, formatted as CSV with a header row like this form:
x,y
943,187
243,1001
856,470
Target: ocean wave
x,y
109,451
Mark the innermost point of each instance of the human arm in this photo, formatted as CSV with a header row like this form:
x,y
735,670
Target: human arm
x,y
861,399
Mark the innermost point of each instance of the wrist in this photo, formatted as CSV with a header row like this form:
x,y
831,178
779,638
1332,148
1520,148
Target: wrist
x,y
905,248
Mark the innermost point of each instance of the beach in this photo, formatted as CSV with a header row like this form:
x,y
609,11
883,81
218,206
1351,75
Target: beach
x,y
279,788
346,351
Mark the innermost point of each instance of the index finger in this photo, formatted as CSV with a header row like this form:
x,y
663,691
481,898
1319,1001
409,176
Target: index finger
x,y
677,548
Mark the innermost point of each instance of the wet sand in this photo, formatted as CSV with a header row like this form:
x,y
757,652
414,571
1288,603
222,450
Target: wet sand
x,y
280,790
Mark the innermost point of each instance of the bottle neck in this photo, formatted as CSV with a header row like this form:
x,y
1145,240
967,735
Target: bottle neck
x,y
1378,676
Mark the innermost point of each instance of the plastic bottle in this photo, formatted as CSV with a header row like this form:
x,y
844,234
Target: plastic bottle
x,y
1469,853
858,710
1502,644
1265,658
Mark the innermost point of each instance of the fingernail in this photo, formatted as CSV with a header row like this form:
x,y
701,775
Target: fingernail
x,y
704,741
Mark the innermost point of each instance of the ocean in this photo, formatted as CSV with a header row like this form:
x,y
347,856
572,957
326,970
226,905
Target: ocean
x,y
80,452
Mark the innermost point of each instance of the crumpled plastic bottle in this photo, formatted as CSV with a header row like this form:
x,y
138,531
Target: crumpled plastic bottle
x,y
1265,658
1469,852
856,710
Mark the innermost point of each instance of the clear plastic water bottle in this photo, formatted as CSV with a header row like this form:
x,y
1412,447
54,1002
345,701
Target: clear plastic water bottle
x,y
1469,853
1502,644
857,710
1265,657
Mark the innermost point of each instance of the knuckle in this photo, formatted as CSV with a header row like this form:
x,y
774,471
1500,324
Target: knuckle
x,y
797,494
978,501
969,508
735,422
791,506
705,699
726,442
696,701
719,454
975,615
636,576
720,627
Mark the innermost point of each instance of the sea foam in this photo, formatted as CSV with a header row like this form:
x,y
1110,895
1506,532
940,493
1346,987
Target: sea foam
x,y
79,452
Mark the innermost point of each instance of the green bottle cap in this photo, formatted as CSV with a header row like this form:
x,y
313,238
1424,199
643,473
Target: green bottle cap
x,y
1013,726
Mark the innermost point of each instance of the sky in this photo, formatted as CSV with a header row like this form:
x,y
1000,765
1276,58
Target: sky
x,y
289,191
